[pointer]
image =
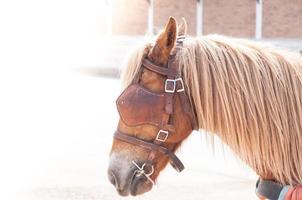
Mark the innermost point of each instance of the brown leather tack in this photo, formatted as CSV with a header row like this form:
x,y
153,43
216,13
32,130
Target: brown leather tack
x,y
174,160
169,103
158,69
137,106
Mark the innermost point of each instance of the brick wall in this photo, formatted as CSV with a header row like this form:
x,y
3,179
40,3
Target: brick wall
x,y
176,8
282,18
231,17
129,17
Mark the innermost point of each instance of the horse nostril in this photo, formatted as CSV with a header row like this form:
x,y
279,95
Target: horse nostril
x,y
112,178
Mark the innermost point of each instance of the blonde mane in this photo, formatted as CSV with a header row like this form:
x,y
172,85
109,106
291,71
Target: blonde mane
x,y
249,95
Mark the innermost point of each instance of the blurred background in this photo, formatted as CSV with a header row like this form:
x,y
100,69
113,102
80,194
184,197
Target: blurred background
x,y
59,69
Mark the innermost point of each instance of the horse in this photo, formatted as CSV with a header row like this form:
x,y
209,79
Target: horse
x,y
246,93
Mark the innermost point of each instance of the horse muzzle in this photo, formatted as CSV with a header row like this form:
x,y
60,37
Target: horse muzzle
x,y
132,178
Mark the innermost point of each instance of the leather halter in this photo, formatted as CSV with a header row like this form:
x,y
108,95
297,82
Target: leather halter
x,y
173,86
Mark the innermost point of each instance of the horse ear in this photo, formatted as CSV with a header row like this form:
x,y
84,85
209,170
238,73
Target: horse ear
x,y
164,44
182,28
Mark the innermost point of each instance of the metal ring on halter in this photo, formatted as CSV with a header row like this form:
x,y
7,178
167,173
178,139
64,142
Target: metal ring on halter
x,y
140,171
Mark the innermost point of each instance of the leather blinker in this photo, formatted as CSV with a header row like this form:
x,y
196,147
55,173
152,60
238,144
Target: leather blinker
x,y
138,106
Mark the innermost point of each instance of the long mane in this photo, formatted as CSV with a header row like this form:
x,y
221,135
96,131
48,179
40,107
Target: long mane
x,y
250,95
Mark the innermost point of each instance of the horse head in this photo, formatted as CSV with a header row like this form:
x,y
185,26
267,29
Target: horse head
x,y
155,117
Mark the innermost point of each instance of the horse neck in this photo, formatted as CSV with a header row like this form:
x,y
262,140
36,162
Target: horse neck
x,y
220,113
229,114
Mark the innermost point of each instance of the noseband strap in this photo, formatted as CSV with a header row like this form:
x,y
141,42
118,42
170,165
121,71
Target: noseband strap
x,y
175,162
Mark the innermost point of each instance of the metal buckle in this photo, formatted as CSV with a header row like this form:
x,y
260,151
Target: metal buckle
x,y
166,85
181,83
160,137
174,82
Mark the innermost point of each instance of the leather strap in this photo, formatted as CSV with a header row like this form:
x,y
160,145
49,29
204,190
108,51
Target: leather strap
x,y
151,146
158,69
152,154
169,96
171,72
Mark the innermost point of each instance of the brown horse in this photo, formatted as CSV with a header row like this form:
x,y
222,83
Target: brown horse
x,y
248,94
